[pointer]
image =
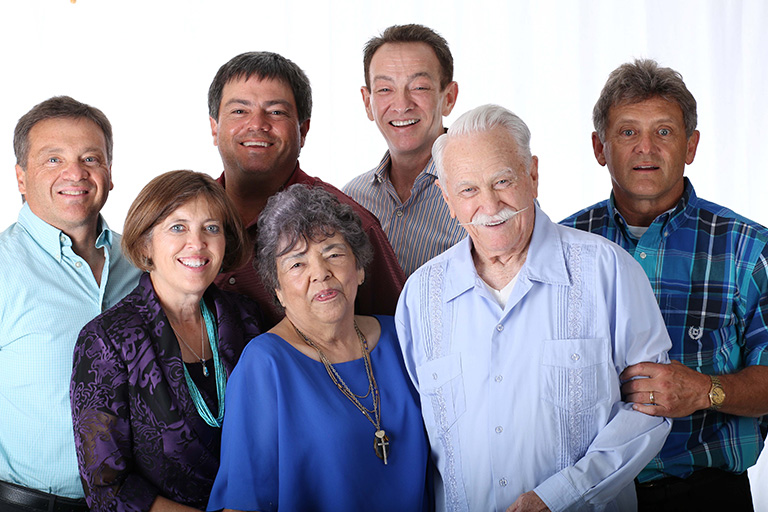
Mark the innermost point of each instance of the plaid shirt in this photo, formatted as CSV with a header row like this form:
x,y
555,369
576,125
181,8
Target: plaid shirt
x,y
708,268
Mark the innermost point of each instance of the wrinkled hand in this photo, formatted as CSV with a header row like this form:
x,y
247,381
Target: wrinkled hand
x,y
677,390
528,502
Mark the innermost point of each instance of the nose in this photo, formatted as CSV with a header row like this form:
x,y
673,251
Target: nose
x,y
489,201
403,101
319,269
645,143
75,171
195,239
259,121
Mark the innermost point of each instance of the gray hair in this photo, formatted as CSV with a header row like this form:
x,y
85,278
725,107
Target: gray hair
x,y
58,107
310,214
483,119
644,79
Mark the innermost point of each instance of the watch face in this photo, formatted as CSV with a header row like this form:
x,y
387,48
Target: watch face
x,y
717,396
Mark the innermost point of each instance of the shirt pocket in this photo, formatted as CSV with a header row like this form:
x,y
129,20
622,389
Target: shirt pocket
x,y
576,374
703,331
441,384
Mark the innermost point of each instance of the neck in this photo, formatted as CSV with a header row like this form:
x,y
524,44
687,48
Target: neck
x,y
180,308
84,245
642,213
404,168
250,192
338,341
499,270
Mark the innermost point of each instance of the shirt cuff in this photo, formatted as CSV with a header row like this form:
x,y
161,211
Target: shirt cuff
x,y
558,494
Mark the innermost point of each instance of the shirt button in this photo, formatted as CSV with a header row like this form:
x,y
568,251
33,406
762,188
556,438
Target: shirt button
x,y
434,376
62,238
503,482
499,430
499,378
78,264
399,213
643,255
666,233
232,280
499,327
575,357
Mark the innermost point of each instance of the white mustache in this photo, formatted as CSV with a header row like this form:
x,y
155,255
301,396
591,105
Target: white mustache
x,y
504,215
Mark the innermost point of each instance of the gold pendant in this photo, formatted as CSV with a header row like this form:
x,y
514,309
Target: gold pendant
x,y
381,445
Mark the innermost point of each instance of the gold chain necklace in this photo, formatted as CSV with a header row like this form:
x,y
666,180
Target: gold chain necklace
x,y
202,345
380,441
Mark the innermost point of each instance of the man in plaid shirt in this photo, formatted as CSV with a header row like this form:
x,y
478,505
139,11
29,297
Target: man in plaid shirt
x,y
708,268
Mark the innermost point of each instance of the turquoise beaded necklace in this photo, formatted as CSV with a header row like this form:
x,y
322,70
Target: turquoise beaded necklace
x,y
218,370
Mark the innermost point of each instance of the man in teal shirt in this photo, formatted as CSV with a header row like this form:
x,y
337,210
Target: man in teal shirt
x,y
63,266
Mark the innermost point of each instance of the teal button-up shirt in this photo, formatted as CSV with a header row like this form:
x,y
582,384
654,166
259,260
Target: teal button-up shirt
x,y
48,294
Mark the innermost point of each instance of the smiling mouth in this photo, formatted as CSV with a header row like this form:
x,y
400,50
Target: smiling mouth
x,y
258,144
400,124
73,192
646,168
326,294
194,262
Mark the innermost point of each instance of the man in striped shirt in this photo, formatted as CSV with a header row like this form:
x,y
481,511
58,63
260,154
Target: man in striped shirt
x,y
408,90
708,268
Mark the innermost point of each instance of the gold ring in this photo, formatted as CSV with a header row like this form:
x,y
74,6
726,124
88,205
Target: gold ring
x,y
653,400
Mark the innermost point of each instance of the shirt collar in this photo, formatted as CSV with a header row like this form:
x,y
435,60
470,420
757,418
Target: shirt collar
x,y
381,173
674,218
545,261
52,239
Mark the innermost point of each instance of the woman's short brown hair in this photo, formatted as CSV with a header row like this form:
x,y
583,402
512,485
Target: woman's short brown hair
x,y
164,195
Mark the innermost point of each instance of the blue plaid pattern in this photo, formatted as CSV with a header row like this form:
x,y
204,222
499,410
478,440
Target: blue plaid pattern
x,y
708,268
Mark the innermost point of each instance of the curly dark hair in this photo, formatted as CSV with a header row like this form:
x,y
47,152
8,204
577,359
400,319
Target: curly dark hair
x,y
310,214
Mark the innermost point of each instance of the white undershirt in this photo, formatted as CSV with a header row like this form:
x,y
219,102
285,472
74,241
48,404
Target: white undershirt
x,y
502,296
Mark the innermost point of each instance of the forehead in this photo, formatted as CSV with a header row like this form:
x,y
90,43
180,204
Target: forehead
x,y
481,153
408,58
66,133
258,89
650,109
306,242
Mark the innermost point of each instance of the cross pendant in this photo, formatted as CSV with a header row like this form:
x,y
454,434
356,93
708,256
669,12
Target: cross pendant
x,y
381,445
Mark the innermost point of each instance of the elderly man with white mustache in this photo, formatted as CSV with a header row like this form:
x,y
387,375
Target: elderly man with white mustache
x,y
516,336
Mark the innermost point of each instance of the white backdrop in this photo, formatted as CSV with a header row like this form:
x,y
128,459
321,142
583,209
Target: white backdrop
x,y
148,63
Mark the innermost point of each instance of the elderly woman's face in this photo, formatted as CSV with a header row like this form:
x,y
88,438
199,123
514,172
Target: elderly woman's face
x,y
187,249
318,281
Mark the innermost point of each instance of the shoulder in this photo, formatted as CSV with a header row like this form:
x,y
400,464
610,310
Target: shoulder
x,y
584,244
598,212
13,240
357,184
707,210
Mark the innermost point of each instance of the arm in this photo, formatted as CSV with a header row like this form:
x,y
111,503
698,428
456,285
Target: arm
x,y
680,391
625,441
101,417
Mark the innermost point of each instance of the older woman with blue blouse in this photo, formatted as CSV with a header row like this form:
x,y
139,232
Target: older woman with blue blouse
x,y
150,373
321,415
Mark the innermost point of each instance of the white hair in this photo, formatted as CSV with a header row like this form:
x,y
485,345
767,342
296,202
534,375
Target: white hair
x,y
483,119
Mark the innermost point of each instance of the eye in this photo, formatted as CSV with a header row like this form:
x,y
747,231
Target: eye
x,y
628,132
176,228
277,113
295,265
53,160
213,229
238,111
91,160
664,132
383,89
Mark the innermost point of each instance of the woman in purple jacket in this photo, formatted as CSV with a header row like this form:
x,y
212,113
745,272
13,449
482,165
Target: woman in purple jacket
x,y
150,373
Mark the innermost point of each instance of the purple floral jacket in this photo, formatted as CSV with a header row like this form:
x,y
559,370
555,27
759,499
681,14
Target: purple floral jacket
x,y
137,432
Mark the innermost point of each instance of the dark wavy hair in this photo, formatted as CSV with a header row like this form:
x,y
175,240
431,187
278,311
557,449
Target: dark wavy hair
x,y
310,214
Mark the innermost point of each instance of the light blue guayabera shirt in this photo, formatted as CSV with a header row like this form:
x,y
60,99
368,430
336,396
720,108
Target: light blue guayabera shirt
x,y
48,294
527,398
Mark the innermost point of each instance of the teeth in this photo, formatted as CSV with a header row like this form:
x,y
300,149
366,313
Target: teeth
x,y
194,263
404,123
73,192
259,144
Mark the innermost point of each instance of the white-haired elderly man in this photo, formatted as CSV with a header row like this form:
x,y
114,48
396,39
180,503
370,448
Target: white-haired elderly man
x,y
515,339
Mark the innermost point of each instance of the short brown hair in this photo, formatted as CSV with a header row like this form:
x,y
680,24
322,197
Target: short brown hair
x,y
56,108
639,81
164,195
412,33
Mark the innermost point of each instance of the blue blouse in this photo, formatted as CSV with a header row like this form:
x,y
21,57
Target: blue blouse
x,y
291,440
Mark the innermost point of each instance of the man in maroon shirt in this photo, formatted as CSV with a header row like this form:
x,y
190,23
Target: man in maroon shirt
x,y
260,105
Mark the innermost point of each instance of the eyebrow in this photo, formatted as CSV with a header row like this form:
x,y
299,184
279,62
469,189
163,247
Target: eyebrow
x,y
410,77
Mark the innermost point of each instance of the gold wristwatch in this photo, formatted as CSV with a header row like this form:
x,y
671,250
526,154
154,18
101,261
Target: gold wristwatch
x,y
716,393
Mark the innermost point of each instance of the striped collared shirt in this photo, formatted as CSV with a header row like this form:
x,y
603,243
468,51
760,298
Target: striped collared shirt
x,y
419,228
708,268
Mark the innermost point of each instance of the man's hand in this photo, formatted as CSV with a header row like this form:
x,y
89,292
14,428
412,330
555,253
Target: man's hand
x,y
528,502
677,390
